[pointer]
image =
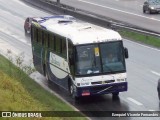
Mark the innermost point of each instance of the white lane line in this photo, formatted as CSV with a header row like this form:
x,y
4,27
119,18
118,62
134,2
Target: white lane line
x,y
134,101
118,10
156,73
152,110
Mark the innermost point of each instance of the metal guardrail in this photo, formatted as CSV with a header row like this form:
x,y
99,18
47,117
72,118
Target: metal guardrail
x,y
103,21
138,30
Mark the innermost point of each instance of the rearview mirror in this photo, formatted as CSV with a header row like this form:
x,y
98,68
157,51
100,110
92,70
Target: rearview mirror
x,y
126,53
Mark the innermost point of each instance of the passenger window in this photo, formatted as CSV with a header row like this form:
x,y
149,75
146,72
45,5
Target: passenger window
x,y
64,49
34,30
58,44
39,37
45,37
51,42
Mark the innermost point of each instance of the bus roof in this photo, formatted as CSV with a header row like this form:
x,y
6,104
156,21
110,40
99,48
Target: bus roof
x,y
79,32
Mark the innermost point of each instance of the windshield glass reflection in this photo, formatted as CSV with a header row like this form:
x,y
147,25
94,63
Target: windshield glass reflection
x,y
112,57
87,61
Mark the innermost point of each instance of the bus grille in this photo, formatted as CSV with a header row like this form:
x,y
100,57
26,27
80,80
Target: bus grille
x,y
103,82
112,88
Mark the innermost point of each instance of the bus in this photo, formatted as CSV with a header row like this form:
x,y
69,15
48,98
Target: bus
x,y
73,54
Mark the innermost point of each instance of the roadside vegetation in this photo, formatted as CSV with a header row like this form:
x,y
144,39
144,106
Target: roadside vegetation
x,y
18,92
145,39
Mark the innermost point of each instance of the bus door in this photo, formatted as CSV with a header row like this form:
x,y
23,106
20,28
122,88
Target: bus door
x,y
70,57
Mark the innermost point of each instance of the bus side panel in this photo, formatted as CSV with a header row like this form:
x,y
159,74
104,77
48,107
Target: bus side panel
x,y
55,74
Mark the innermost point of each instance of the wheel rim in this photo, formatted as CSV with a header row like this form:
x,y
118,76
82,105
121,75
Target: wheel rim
x,y
71,89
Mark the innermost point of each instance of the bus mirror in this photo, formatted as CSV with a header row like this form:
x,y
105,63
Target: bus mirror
x,y
126,53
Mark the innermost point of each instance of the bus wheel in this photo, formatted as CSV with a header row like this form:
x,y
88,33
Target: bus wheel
x,y
25,32
115,94
72,91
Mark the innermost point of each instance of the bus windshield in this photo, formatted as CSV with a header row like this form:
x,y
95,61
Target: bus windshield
x,y
100,58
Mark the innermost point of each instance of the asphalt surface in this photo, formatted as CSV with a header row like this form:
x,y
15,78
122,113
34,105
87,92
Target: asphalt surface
x,y
128,11
142,66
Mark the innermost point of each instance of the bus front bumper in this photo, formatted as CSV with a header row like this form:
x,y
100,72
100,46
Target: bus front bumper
x,y
101,89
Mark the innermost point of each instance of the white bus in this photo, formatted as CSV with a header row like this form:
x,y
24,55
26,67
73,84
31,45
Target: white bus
x,y
77,55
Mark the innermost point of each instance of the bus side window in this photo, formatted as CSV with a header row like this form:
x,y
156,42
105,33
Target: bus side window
x,y
64,49
34,33
51,42
39,40
45,37
58,45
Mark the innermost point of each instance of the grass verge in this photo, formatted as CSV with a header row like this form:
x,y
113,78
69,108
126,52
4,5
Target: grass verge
x,y
145,39
18,92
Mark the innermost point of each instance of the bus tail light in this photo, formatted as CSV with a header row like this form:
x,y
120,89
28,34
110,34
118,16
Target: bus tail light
x,y
85,93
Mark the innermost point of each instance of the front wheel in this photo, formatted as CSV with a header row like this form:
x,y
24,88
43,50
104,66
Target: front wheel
x,y
72,91
115,94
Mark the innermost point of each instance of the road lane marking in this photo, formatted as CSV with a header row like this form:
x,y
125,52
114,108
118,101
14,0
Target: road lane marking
x,y
134,101
152,110
156,73
118,10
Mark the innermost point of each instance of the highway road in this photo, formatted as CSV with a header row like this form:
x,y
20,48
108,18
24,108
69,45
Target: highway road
x,y
142,66
128,11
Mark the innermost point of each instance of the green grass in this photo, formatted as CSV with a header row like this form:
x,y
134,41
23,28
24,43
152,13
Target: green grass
x,y
148,40
18,92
